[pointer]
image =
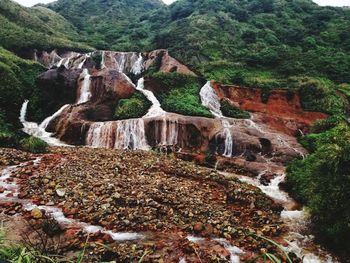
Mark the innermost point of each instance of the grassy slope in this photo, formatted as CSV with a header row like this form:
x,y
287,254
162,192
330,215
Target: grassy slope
x,y
17,83
40,28
278,37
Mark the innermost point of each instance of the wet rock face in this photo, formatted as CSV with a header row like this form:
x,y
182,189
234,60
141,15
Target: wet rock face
x,y
59,87
282,110
107,86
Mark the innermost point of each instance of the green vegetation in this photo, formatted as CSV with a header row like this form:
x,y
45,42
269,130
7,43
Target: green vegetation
x,y
179,93
115,25
40,28
17,83
321,181
134,107
33,145
231,111
318,95
282,37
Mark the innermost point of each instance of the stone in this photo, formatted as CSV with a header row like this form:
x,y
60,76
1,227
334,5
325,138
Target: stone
x,y
36,213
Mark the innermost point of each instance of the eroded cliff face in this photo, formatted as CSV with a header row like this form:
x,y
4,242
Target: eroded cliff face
x,y
282,110
265,143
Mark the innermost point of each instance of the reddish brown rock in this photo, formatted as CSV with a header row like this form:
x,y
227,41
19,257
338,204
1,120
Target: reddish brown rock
x,y
282,111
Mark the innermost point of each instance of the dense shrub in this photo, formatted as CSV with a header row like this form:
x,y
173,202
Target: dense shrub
x,y
322,181
318,95
232,111
134,107
180,94
33,145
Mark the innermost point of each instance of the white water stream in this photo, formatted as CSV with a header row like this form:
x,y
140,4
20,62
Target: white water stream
x,y
37,130
85,92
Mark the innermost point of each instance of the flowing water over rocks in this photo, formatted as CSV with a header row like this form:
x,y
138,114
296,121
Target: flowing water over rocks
x,y
162,199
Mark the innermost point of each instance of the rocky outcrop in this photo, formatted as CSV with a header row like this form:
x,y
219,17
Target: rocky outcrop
x,y
282,110
59,87
165,63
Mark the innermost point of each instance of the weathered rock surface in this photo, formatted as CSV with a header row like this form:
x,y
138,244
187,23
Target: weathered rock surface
x,y
282,111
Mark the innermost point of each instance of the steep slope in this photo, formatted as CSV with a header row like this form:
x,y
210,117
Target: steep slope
x,y
35,28
223,38
113,24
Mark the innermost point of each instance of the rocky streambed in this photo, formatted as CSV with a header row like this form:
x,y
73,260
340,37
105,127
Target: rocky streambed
x,y
178,211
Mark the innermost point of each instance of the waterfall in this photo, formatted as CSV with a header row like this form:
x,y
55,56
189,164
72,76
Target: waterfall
x,y
138,66
36,130
156,109
125,134
66,64
80,66
103,65
22,116
60,62
210,100
121,62
228,138
166,133
85,92
46,122
131,135
101,135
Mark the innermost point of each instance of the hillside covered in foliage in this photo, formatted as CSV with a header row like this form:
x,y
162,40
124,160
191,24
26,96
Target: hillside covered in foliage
x,y
224,38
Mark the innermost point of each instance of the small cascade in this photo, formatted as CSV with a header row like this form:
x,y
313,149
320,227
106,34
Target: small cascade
x,y
137,67
66,64
228,138
46,122
210,100
131,135
60,62
156,109
85,92
103,65
125,134
121,62
80,66
166,132
295,219
39,131
234,251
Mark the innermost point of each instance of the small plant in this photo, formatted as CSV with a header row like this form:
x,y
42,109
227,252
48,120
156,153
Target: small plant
x,y
33,145
134,107
270,257
232,111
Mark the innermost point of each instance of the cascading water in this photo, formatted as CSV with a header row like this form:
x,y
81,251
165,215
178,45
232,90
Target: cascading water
x,y
39,131
125,134
166,132
103,65
85,92
138,66
156,109
211,101
131,135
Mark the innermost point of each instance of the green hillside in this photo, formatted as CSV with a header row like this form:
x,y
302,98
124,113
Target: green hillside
x,y
224,38
40,28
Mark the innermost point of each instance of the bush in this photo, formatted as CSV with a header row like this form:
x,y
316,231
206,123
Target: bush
x,y
180,94
33,145
318,95
322,182
134,107
231,111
